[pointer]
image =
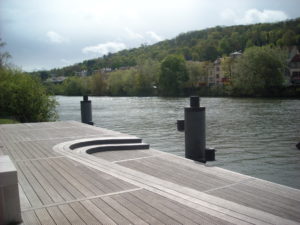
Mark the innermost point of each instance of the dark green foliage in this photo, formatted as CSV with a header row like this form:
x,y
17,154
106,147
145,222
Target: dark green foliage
x,y
259,72
24,98
173,76
76,86
98,84
135,81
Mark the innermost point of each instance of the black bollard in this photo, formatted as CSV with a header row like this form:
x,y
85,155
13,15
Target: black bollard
x,y
194,127
180,125
86,110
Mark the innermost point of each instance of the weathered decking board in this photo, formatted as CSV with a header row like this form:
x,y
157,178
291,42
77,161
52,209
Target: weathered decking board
x,y
61,186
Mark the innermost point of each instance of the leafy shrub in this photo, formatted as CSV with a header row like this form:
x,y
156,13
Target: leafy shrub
x,y
24,97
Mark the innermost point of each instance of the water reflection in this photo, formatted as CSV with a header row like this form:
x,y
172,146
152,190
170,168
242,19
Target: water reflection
x,y
252,136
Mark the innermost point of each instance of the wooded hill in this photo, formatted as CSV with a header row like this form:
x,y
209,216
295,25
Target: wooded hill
x,y
201,45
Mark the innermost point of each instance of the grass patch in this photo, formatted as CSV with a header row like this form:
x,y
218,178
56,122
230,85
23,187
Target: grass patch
x,y
8,121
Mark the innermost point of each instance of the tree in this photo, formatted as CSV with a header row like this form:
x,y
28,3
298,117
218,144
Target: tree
x,y
24,97
76,86
173,76
197,72
98,84
147,78
4,56
115,83
259,72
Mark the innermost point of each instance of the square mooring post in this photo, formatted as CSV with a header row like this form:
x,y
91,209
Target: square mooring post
x,y
194,127
10,211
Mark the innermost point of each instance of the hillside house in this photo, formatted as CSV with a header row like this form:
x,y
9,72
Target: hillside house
x,y
82,73
294,67
217,75
56,80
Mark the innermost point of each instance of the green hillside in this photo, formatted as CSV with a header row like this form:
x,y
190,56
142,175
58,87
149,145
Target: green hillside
x,y
201,45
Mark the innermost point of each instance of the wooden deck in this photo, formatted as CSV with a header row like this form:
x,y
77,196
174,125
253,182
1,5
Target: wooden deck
x,y
58,185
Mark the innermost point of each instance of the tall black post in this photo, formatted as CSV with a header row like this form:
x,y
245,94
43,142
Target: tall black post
x,y
194,127
86,110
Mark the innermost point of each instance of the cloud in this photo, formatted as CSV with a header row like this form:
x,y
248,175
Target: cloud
x,y
55,37
133,35
253,16
154,36
103,49
256,16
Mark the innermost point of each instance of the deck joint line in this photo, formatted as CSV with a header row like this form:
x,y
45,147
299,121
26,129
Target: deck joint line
x,y
230,185
41,158
144,157
81,199
57,138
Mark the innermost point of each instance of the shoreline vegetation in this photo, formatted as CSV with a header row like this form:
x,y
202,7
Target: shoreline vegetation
x,y
237,61
258,72
8,121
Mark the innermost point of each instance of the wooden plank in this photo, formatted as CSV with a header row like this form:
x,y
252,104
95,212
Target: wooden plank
x,y
35,150
163,218
177,180
45,147
259,200
14,153
210,202
44,217
57,216
92,179
187,163
97,212
29,150
38,189
122,155
62,190
281,190
175,173
183,210
23,153
81,211
112,213
43,182
74,192
71,215
67,165
27,188
70,178
155,203
101,180
148,218
244,214
274,197
29,218
168,175
23,199
124,211
106,181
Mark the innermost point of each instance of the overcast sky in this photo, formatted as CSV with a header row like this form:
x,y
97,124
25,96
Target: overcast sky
x,y
43,34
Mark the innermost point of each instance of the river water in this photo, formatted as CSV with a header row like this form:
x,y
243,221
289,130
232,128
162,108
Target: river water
x,y
256,137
